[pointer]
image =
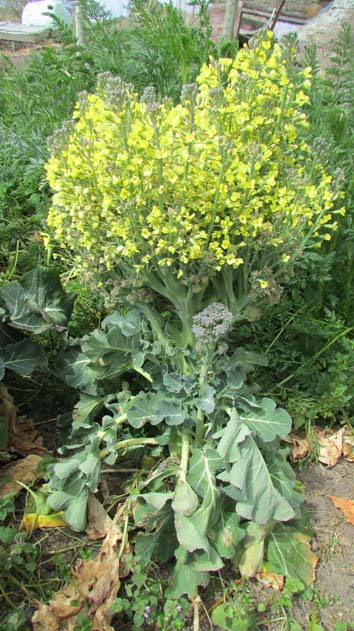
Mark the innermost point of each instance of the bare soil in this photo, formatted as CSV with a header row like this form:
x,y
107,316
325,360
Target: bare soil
x,y
333,542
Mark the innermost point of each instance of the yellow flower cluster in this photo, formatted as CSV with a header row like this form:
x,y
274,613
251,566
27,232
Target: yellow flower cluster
x,y
205,181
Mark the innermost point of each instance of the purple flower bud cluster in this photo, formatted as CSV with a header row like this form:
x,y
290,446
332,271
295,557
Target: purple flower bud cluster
x,y
150,99
114,90
210,324
189,92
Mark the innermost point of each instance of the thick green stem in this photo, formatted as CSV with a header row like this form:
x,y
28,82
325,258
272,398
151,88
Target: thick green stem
x,y
129,442
184,457
199,432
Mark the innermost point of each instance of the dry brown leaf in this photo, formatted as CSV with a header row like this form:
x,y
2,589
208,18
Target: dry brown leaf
x,y
348,445
92,590
25,471
98,521
345,505
23,437
299,445
330,444
270,579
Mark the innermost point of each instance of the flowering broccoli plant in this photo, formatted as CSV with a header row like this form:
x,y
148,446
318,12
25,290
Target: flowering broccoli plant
x,y
211,199
199,207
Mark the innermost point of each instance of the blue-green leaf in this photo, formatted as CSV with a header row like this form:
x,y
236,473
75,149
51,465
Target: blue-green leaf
x,y
129,324
37,302
206,400
261,500
22,357
266,420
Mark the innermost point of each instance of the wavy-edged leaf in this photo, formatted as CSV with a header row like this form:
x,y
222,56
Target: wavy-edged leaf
x,y
284,478
208,561
22,357
189,535
157,500
266,420
37,302
76,370
261,501
227,534
203,466
288,552
252,554
173,382
206,400
110,354
129,324
185,500
248,359
234,433
153,408
185,580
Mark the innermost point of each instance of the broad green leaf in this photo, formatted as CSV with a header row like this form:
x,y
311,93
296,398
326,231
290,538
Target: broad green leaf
x,y
234,433
202,469
284,478
22,357
91,468
252,550
288,552
208,561
185,501
173,382
77,372
227,534
145,545
157,500
185,580
159,545
153,408
37,302
206,400
87,407
235,378
142,512
129,324
63,470
188,534
110,353
266,420
262,501
248,359
59,500
76,510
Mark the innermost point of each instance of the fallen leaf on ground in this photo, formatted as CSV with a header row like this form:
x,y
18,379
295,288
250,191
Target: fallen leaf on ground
x,y
25,471
270,579
348,445
345,505
328,443
32,521
331,445
299,445
92,590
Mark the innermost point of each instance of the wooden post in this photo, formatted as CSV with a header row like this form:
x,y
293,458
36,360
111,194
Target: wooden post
x,y
79,31
229,19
